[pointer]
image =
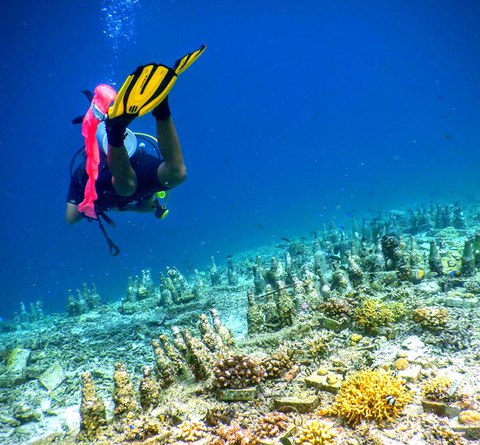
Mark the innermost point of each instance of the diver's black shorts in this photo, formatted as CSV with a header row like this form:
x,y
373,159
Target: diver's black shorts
x,y
145,166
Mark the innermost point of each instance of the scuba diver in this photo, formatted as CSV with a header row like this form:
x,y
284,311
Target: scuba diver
x,y
118,173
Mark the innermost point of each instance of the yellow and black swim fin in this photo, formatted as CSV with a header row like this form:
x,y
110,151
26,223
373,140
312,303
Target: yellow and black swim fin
x,y
148,85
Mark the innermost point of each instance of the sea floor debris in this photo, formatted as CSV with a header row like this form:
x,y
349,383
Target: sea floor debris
x,y
370,336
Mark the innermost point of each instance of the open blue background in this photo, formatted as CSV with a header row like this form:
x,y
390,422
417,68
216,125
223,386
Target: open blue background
x,y
297,113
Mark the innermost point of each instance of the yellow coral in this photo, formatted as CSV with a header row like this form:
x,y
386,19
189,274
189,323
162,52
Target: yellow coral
x,y
469,417
373,313
191,430
316,433
400,364
318,344
430,317
370,395
355,338
438,389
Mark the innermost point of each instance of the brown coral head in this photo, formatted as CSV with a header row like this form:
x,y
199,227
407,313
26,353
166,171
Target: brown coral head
x,y
237,371
219,415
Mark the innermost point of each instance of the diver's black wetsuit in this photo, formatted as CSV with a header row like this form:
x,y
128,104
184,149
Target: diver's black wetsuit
x,y
145,166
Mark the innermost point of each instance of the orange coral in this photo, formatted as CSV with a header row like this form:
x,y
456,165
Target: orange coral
x,y
234,435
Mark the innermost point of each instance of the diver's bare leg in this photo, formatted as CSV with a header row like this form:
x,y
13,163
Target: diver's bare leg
x,y
173,171
124,180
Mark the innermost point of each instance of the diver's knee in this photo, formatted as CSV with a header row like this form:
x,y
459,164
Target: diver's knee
x,y
125,188
179,174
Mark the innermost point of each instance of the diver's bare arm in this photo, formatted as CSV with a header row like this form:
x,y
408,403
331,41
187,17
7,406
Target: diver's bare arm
x,y
124,180
172,172
72,215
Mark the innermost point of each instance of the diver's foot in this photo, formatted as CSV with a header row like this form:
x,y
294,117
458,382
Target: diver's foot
x,y
162,111
116,129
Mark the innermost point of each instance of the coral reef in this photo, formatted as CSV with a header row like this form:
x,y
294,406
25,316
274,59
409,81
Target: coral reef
x,y
141,427
219,414
277,364
165,369
373,313
234,435
175,356
430,317
271,425
210,338
92,410
124,396
318,344
337,308
316,432
439,389
370,395
237,371
255,316
325,324
191,430
437,431
224,333
198,357
149,390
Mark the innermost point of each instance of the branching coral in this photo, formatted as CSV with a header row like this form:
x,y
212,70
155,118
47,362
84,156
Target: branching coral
x,y
439,389
316,432
234,435
237,371
143,426
191,430
220,414
371,395
318,344
374,313
277,364
436,430
337,308
271,425
430,317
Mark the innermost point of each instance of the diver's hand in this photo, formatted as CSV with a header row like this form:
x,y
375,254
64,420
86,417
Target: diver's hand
x,y
162,111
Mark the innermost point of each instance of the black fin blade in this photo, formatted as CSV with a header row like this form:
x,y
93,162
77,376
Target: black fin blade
x,y
78,120
88,94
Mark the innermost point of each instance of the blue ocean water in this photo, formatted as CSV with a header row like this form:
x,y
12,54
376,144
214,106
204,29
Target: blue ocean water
x,y
297,114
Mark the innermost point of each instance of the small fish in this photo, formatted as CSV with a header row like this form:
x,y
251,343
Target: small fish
x,y
448,137
454,274
419,274
260,226
287,240
391,400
